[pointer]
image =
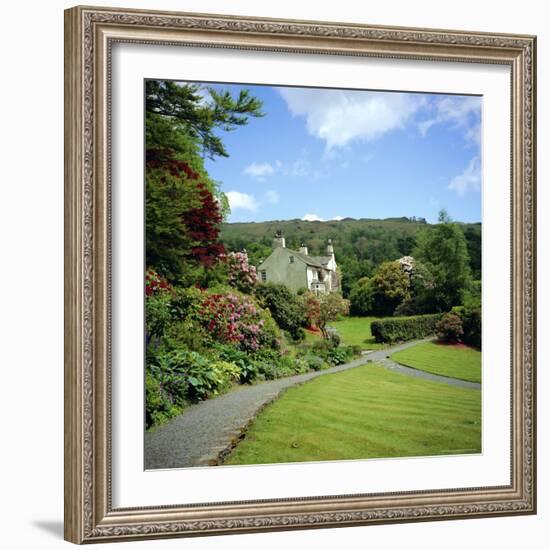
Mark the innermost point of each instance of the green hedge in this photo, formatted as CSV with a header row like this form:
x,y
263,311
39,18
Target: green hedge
x,y
405,328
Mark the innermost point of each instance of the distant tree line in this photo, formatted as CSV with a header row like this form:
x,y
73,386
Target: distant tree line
x,y
360,245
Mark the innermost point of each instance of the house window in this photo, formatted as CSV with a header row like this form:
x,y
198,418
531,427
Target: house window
x,y
263,275
291,259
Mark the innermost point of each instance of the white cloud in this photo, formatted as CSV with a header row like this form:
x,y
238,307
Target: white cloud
x,y
259,170
339,117
299,168
241,201
316,218
272,196
473,134
312,218
461,112
469,180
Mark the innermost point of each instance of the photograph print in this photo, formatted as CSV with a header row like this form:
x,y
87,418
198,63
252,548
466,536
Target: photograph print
x,y
312,274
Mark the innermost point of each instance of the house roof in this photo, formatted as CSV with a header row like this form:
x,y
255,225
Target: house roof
x,y
324,260
314,261
319,262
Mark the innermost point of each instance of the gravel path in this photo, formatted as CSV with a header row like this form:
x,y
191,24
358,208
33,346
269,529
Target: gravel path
x,y
204,432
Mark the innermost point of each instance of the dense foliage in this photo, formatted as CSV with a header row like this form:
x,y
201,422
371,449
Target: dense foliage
x,y
360,244
287,308
184,208
470,313
449,328
208,322
444,251
211,324
403,329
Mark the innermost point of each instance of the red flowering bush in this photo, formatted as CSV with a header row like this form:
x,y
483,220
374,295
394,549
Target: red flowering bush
x,y
236,319
203,224
241,275
154,283
182,216
449,328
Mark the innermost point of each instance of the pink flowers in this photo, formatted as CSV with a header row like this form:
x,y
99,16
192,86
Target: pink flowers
x,y
233,318
242,275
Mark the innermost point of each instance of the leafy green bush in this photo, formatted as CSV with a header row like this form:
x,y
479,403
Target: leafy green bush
x,y
187,376
403,329
158,405
158,315
407,308
337,356
321,347
342,354
170,375
205,376
186,302
449,327
334,339
471,322
187,334
362,297
314,362
300,366
285,307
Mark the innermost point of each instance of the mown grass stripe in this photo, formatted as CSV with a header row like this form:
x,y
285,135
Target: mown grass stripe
x,y
366,412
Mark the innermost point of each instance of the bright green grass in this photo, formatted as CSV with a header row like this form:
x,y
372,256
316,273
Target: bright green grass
x,y
356,331
457,362
365,412
311,337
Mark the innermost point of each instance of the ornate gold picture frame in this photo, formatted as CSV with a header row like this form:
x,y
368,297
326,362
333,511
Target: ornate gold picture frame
x,y
90,34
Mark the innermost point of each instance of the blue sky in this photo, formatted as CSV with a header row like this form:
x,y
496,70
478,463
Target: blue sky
x,y
327,154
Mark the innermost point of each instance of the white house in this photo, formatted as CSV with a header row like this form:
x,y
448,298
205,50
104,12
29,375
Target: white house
x,y
297,269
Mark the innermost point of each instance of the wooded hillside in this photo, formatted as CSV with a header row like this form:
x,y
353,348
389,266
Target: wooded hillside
x,y
360,244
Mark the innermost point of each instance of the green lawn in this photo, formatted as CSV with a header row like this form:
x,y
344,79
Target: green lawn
x,y
457,362
356,331
365,412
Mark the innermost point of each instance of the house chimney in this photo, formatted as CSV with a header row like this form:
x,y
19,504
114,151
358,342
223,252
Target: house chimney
x,y
330,248
279,240
303,249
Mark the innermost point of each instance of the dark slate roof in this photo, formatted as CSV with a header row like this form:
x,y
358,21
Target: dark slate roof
x,y
309,260
324,260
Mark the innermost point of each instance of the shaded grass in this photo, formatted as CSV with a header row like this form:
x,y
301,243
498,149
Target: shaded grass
x,y
459,362
355,331
365,412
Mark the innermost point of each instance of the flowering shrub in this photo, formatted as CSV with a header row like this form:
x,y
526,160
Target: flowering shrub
x,y
241,275
234,318
319,310
312,308
154,283
449,328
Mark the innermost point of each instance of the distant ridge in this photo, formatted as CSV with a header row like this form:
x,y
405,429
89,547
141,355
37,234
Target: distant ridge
x,y
355,240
